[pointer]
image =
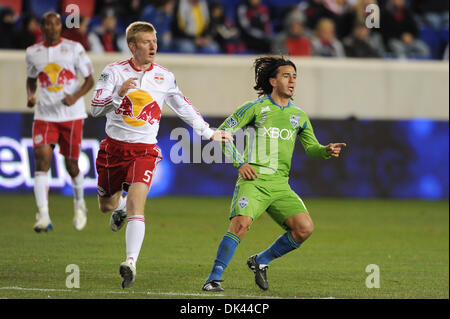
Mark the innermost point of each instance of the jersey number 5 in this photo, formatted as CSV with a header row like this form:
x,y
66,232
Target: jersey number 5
x,y
148,176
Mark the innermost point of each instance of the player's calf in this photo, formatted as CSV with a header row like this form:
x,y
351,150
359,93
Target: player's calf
x,y
301,226
109,204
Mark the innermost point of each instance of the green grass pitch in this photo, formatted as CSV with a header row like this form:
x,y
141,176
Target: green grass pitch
x,y
408,240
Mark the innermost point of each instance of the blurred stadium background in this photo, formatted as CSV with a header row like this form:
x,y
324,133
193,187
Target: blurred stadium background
x,y
392,113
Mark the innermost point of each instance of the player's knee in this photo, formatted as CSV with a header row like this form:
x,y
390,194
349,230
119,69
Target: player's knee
x,y
240,225
72,168
302,232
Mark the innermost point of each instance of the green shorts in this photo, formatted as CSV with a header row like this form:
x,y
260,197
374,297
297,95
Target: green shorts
x,y
252,198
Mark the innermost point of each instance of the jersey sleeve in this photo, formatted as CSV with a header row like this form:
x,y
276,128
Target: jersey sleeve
x,y
82,62
309,141
105,99
32,72
184,109
238,120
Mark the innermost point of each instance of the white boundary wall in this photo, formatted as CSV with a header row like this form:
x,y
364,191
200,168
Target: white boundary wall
x,y
326,88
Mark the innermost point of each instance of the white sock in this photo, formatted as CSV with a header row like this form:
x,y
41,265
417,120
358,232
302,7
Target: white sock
x,y
78,189
134,236
122,204
41,192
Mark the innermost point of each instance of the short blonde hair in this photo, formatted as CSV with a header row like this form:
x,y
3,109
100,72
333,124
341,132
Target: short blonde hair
x,y
138,26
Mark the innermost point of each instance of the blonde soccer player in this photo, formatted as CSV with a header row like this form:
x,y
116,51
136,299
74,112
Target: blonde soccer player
x,y
131,93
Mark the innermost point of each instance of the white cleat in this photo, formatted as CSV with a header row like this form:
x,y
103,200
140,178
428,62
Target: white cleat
x,y
80,216
128,273
42,224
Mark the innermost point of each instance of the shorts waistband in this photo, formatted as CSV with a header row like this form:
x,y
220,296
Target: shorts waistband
x,y
129,145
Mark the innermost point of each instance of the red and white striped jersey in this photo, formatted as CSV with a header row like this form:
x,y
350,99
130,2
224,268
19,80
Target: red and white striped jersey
x,y
135,117
55,68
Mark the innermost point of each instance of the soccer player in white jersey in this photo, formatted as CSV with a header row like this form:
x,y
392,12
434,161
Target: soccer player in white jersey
x,y
131,93
59,114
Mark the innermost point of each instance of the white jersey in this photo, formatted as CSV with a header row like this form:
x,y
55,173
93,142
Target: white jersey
x,y
56,69
135,117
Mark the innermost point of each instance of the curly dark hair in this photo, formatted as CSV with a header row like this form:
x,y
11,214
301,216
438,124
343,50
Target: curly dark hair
x,y
266,68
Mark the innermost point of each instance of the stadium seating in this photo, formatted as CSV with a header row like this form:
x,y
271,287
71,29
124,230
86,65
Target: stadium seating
x,y
436,40
430,37
443,37
15,5
40,7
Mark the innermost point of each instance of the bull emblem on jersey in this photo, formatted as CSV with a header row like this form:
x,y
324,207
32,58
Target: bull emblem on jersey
x,y
138,108
150,113
53,77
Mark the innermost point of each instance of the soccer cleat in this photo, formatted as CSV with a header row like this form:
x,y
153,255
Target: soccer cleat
x,y
213,285
260,272
117,219
42,224
128,273
80,218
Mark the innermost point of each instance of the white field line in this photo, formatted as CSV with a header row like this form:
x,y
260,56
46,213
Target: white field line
x,y
148,293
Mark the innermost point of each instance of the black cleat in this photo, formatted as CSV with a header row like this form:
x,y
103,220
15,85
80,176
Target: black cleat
x,y
213,285
260,272
117,219
128,273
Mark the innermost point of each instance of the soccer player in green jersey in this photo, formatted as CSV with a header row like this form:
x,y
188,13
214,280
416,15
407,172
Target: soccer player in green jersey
x,y
273,124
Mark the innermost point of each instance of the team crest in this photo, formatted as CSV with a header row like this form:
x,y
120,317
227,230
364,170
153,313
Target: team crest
x,y
38,139
294,121
103,77
159,78
231,122
243,202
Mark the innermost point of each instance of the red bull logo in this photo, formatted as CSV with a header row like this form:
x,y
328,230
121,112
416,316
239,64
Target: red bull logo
x,y
53,77
159,78
139,108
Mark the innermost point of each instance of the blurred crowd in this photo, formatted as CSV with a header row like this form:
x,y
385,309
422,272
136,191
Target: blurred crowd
x,y
404,29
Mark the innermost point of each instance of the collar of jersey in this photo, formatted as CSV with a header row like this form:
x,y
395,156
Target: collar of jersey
x,y
53,45
134,68
280,106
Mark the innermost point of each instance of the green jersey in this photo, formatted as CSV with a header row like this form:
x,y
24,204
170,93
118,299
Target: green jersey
x,y
270,134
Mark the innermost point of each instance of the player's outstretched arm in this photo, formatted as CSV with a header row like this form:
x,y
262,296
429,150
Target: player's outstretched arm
x,y
334,149
222,136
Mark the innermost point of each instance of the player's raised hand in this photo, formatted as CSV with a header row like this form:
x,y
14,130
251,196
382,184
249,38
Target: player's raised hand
x,y
127,85
31,101
247,172
334,149
222,136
